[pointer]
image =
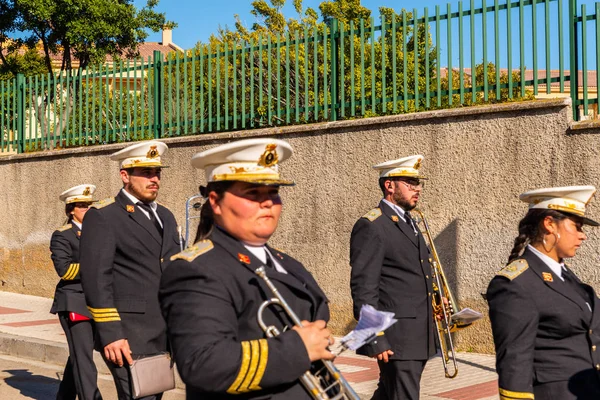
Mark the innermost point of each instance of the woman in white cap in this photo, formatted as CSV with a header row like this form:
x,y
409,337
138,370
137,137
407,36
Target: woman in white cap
x,y
210,294
545,321
80,373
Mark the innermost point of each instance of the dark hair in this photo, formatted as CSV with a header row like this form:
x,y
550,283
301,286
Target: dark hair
x,y
382,183
68,210
207,220
529,229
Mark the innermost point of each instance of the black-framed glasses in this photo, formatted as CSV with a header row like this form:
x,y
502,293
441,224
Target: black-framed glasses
x,y
413,184
82,205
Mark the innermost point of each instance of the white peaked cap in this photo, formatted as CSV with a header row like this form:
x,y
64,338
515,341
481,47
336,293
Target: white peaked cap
x,y
144,154
406,166
251,160
569,199
78,194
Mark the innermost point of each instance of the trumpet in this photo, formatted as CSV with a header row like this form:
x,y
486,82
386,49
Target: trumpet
x,y
327,382
443,304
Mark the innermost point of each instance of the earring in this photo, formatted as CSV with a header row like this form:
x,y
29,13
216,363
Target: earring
x,y
544,244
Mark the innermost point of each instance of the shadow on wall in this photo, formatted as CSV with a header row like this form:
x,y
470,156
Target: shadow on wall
x,y
446,244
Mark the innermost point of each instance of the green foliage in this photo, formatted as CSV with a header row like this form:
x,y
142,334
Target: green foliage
x,y
30,63
344,10
280,71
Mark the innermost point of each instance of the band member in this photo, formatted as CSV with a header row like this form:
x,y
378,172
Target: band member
x,y
545,321
126,244
391,271
210,294
80,375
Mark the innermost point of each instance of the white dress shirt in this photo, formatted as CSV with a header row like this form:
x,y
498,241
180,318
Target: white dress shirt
x,y
400,211
260,252
153,206
555,266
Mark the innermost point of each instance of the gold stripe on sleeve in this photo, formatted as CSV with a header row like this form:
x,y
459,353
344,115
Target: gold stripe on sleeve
x,y
262,365
254,357
104,314
233,389
67,275
508,395
107,319
74,272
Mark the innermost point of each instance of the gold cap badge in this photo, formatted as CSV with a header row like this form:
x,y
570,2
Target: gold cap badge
x,y
269,157
152,153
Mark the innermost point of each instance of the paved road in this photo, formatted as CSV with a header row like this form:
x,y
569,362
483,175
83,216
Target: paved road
x,y
26,379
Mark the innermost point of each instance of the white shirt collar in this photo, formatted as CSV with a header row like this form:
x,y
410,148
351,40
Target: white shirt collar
x,y
555,266
77,224
135,200
260,252
399,210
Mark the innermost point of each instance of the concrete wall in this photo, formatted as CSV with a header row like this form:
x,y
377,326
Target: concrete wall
x,y
478,159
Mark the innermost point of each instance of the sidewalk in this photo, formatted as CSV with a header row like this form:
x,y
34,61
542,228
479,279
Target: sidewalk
x,y
28,330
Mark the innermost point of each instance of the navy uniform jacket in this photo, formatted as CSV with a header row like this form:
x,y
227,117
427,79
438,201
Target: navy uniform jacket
x,y
210,297
391,271
543,330
68,296
122,259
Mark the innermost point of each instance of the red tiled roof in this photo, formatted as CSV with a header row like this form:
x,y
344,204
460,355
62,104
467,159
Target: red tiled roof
x,y
541,74
145,50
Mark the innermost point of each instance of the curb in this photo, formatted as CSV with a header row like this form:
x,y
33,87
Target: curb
x,y
52,353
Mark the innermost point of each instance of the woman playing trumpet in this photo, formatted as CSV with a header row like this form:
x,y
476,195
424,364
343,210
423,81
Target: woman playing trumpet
x,y
210,294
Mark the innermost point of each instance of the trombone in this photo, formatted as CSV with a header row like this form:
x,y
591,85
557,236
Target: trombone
x,y
191,204
327,383
443,304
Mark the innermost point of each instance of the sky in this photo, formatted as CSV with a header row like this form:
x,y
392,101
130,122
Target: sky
x,y
198,19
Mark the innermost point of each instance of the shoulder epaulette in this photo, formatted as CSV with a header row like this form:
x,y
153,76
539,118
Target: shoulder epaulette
x,y
194,251
65,227
514,269
373,214
103,203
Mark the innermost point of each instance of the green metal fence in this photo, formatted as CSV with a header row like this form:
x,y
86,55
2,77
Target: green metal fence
x,y
407,62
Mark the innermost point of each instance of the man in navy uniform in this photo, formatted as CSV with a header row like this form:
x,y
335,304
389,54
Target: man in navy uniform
x,y
127,241
391,271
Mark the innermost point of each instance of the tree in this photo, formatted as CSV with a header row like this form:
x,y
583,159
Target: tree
x,y
85,31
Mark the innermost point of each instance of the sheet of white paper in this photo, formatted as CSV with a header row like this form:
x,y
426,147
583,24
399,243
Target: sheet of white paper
x,y
466,316
369,324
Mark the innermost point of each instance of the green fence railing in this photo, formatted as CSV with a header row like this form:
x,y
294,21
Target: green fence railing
x,y
407,62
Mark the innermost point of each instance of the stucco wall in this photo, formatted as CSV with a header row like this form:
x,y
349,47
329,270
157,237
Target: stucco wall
x,y
478,160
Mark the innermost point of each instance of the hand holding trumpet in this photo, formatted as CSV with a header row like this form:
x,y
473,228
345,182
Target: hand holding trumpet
x,y
316,338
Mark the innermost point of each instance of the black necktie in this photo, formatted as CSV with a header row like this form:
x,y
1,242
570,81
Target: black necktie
x,y
409,221
269,263
570,280
153,218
